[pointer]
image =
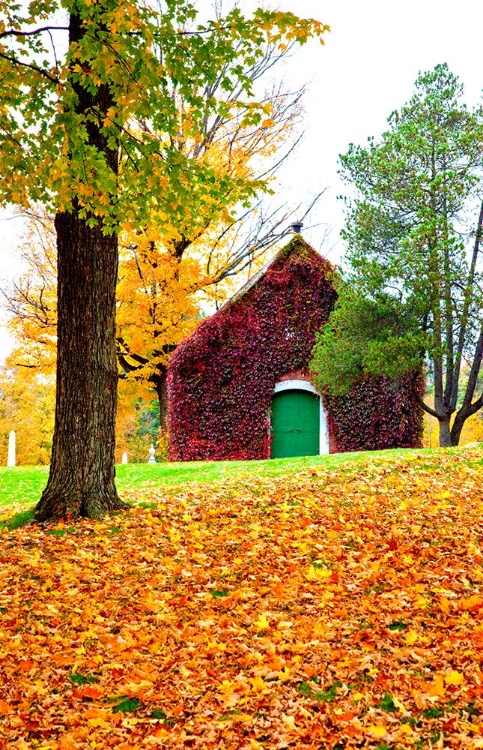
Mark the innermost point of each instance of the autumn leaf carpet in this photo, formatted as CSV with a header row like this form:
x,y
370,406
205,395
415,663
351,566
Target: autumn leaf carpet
x,y
327,609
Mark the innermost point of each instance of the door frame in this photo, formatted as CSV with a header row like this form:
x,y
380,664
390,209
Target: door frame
x,y
304,385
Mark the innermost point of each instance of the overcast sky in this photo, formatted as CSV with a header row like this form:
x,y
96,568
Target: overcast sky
x,y
366,69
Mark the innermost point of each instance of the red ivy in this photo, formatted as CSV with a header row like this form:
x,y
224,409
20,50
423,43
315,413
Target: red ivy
x,y
221,378
377,413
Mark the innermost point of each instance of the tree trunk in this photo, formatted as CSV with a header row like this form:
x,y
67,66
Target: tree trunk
x,y
444,432
160,381
81,480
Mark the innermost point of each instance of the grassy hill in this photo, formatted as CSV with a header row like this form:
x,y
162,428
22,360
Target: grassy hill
x,y
23,485
329,602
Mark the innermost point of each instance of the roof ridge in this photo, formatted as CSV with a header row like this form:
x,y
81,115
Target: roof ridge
x,y
284,251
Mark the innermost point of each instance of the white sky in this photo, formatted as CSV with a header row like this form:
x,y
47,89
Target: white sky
x,y
366,69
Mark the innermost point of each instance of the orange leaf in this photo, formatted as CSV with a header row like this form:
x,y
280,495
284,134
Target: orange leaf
x,y
278,589
62,661
445,604
471,604
26,665
436,687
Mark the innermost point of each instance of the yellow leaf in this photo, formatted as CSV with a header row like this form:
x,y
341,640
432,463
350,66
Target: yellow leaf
x,y
262,623
317,574
454,678
378,730
406,729
289,721
411,637
284,674
259,685
99,723
398,704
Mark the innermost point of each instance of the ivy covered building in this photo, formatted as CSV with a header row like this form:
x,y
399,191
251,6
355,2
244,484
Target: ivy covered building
x,y
239,386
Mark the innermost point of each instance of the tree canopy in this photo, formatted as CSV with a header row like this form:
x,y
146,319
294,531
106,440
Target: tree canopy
x,y
151,59
412,295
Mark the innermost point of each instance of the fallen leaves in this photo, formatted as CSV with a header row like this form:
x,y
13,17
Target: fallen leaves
x,y
322,610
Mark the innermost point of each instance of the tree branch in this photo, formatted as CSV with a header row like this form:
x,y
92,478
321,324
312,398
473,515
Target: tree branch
x,y
424,405
31,67
15,32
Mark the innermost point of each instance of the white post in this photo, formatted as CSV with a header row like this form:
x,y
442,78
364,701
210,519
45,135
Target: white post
x,y
11,449
124,458
151,459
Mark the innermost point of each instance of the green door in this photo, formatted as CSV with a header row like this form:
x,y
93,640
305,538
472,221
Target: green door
x,y
295,424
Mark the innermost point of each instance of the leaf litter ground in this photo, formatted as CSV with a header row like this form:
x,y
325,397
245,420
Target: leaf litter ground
x,y
326,609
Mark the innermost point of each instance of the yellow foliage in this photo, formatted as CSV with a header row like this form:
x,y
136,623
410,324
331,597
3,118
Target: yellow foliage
x,y
27,404
473,430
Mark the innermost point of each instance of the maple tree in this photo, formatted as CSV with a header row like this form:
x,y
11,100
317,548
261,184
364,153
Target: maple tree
x,y
308,606
89,136
414,287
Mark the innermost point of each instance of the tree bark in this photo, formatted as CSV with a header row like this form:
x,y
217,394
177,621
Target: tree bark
x,y
457,427
444,433
81,479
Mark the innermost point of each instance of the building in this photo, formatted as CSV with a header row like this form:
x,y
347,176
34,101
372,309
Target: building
x,y
239,386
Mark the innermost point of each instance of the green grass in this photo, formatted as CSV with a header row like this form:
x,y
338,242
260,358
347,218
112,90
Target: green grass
x,y
23,484
21,487
166,475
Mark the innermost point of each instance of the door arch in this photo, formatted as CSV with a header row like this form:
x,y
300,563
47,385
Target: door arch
x,y
298,421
